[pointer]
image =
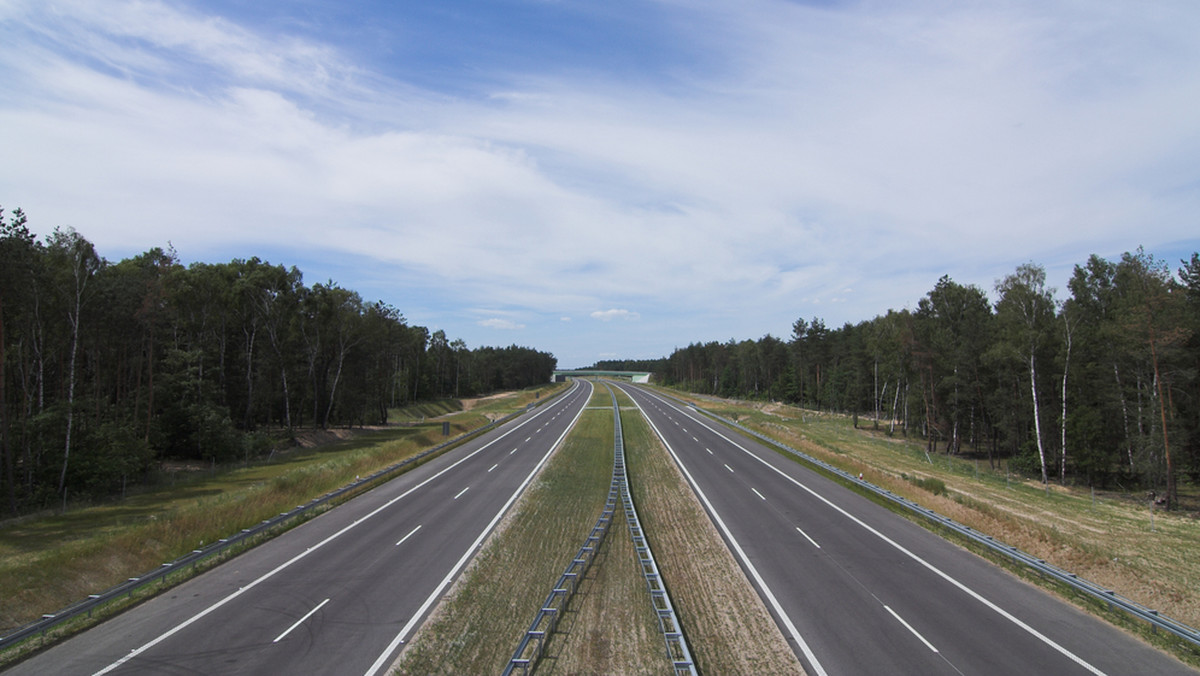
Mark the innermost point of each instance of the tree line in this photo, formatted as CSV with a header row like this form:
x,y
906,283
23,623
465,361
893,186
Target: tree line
x,y
109,368
1099,387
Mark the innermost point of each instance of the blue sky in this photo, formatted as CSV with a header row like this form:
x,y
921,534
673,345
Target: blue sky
x,y
611,179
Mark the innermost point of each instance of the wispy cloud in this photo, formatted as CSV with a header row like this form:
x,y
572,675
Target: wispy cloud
x,y
502,324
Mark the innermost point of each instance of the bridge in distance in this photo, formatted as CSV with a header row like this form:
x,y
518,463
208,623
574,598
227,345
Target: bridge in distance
x,y
634,376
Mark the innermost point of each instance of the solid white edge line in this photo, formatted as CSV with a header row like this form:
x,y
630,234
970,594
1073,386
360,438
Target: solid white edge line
x,y
909,627
410,534
934,569
416,617
186,623
300,621
762,584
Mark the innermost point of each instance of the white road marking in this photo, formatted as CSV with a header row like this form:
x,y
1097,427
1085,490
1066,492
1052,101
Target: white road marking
x,y
910,628
757,493
410,533
709,450
300,621
730,469
806,535
461,492
493,467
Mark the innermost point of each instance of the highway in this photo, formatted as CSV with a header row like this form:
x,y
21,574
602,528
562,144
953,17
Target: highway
x,y
341,593
857,589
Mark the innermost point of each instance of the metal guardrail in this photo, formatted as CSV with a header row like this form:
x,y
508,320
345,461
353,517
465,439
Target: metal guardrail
x,y
668,622
127,588
1155,619
533,643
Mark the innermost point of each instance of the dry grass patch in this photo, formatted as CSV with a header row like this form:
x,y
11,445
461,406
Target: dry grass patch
x,y
610,627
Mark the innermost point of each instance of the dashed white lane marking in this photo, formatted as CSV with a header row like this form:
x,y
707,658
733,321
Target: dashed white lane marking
x,y
300,621
461,492
807,537
410,534
910,628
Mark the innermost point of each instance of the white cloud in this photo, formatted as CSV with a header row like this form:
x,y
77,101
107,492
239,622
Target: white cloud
x,y
502,324
609,315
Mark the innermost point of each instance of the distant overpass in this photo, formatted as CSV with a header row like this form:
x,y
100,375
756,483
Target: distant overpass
x,y
635,376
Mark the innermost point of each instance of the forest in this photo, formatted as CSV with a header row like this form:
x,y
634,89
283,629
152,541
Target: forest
x,y
109,369
1097,388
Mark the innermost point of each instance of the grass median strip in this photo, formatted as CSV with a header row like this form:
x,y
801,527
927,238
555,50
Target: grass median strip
x,y
475,629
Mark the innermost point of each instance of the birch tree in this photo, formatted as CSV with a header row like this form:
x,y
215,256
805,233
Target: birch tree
x,y
75,263
1025,309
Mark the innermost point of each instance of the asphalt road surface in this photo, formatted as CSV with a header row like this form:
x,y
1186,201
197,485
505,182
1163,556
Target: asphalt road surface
x,y
857,589
341,593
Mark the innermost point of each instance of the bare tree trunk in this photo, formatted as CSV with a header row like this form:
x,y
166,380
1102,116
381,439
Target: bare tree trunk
x,y
333,390
895,401
5,448
287,402
1162,408
149,386
62,479
1062,475
251,336
1124,415
877,394
1037,422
